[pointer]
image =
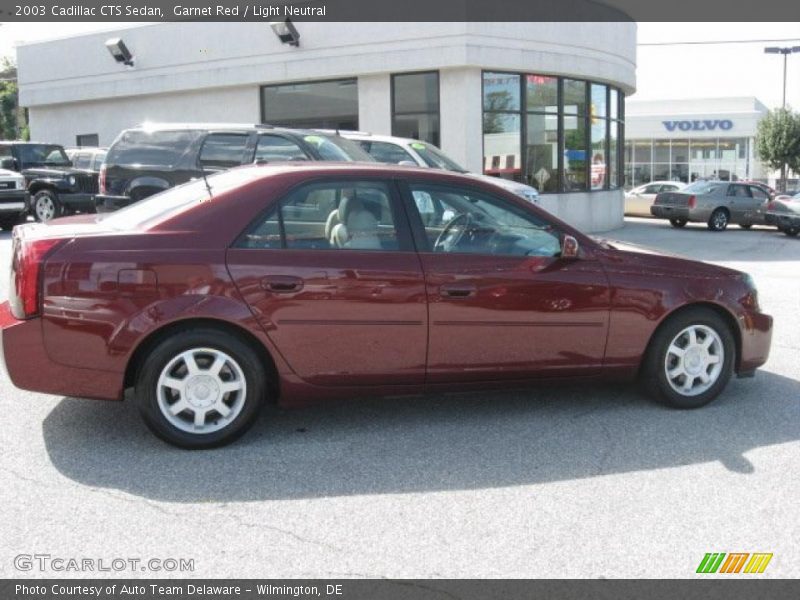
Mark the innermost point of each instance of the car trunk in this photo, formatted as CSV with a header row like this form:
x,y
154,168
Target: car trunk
x,y
673,198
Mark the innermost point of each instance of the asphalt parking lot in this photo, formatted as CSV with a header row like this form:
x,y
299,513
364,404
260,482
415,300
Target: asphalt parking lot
x,y
568,481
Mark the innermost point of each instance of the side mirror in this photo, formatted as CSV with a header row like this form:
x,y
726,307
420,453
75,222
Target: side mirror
x,y
8,163
569,247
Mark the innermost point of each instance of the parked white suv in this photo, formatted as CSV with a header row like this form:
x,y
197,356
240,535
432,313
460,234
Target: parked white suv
x,y
14,199
397,150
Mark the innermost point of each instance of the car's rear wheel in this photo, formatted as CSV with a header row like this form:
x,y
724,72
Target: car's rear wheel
x,y
690,359
792,231
718,220
678,223
200,389
46,206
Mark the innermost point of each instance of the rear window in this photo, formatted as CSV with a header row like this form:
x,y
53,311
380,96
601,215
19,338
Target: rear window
x,y
335,148
702,187
151,148
156,209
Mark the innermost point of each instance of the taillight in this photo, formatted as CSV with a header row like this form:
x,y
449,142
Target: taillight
x,y
101,179
26,273
692,201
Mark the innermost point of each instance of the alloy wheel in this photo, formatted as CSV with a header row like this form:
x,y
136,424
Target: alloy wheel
x,y
694,360
45,208
201,390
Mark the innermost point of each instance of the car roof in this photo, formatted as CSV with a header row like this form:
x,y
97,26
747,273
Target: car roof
x,y
360,135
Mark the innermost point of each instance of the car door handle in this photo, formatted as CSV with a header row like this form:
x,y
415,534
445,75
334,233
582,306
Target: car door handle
x,y
457,290
282,284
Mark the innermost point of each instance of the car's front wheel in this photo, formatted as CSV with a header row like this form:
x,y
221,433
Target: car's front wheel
x,y
690,359
677,223
792,231
201,388
46,206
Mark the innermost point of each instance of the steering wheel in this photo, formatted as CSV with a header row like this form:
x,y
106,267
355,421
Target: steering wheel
x,y
450,236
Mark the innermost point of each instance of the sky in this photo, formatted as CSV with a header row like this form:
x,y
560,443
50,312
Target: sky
x,y
663,72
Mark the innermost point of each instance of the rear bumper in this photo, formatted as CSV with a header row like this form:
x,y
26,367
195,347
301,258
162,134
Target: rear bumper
x,y
756,341
24,358
104,203
663,211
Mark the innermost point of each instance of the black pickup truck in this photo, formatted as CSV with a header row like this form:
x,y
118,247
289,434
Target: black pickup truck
x,y
56,187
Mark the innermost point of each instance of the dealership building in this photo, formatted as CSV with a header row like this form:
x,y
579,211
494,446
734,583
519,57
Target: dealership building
x,y
541,103
686,140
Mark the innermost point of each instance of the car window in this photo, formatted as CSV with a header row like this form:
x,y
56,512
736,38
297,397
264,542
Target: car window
x,y
758,193
150,148
97,160
336,148
435,158
462,220
651,189
223,150
341,215
276,148
739,191
669,188
82,160
387,153
702,187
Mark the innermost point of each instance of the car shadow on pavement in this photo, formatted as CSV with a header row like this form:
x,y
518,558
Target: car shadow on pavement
x,y
438,443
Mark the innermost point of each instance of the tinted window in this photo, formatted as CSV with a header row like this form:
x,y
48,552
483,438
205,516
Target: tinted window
x,y
669,188
467,221
758,193
274,147
328,216
42,154
223,150
317,104
151,148
97,161
336,148
386,152
739,191
651,189
82,160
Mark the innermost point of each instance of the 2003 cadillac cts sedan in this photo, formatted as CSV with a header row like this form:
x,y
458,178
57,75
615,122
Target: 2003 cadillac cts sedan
x,y
298,282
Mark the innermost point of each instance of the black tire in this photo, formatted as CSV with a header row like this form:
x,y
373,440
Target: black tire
x,y
745,225
792,231
678,223
654,371
718,221
147,391
46,206
8,223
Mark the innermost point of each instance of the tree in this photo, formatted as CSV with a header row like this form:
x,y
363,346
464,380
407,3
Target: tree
x,y
778,141
12,118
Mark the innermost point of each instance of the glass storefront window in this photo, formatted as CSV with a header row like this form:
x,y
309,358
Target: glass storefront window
x,y
661,172
502,144
501,92
642,151
575,153
415,106
541,93
704,149
680,151
727,149
315,104
574,97
661,151
599,108
553,133
542,152
641,174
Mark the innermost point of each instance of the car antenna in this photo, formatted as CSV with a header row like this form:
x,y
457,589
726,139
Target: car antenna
x,y
203,167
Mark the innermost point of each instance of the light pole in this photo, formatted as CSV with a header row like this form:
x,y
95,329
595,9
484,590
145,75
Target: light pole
x,y
786,51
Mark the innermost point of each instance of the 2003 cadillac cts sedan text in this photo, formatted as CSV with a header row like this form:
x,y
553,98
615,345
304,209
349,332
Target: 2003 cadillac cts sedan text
x,y
298,282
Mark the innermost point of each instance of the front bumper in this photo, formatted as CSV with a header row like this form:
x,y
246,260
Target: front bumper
x,y
104,203
14,201
756,341
24,358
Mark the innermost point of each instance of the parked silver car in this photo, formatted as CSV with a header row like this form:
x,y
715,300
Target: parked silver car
x,y
716,203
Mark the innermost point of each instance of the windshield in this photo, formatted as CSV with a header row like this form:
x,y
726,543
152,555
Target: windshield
x,y
702,187
435,158
43,154
336,148
156,209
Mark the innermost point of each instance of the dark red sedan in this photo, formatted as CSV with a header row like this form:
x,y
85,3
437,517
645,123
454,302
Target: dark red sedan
x,y
298,282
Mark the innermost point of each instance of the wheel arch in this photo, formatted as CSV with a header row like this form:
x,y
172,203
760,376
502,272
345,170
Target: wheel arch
x,y
720,310
38,186
156,336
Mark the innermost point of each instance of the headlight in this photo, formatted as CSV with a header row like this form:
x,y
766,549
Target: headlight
x,y
71,180
20,183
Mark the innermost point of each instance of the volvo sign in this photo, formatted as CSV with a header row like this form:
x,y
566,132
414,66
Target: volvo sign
x,y
702,125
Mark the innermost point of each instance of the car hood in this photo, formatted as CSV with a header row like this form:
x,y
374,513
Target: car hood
x,y
655,261
512,186
47,172
7,173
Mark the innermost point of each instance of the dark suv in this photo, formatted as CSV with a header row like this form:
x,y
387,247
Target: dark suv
x,y
56,187
152,158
